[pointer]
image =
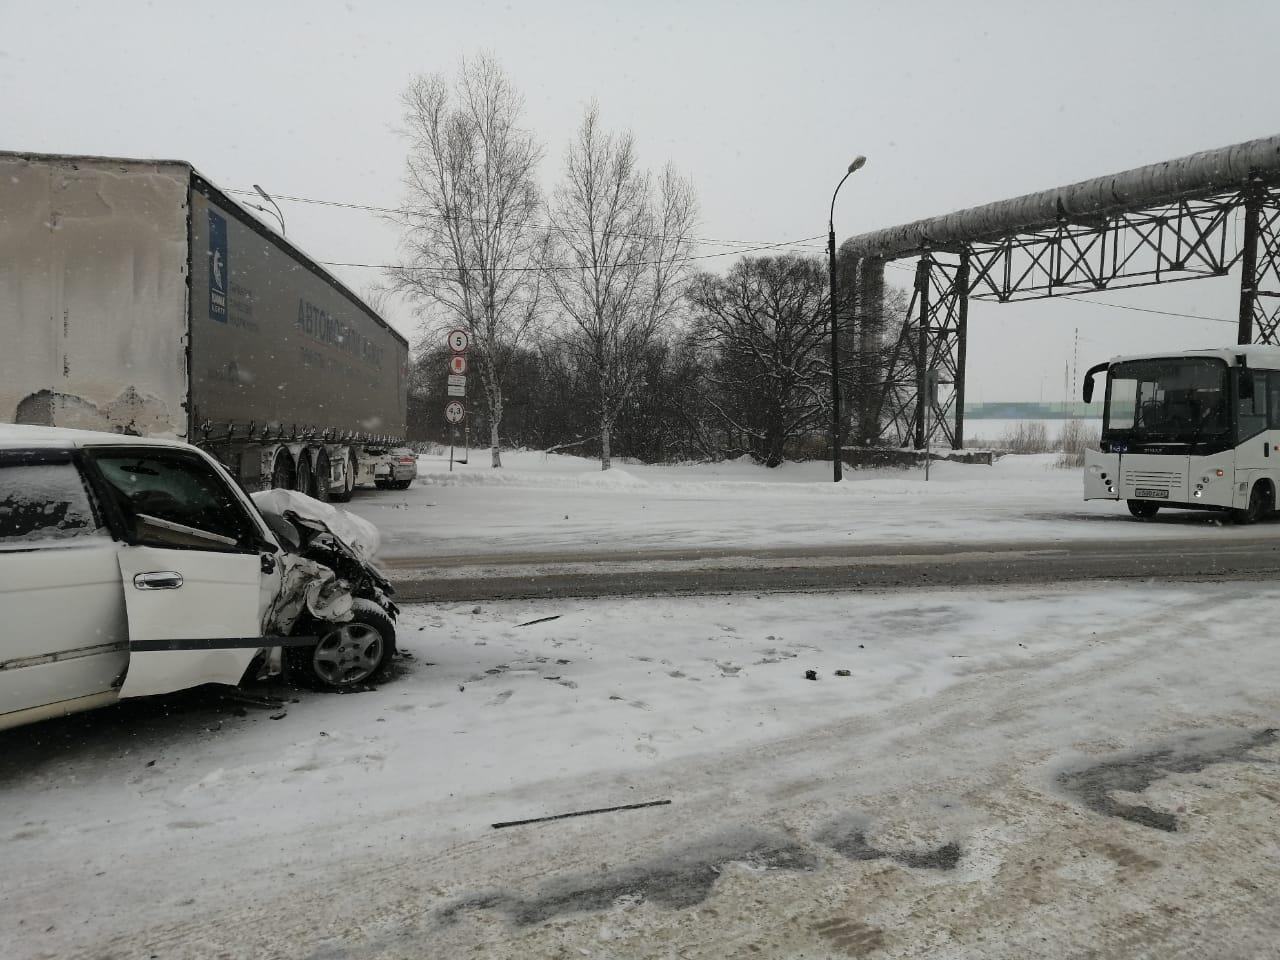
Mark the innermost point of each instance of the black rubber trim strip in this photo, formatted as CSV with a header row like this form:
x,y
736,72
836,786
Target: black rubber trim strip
x,y
219,643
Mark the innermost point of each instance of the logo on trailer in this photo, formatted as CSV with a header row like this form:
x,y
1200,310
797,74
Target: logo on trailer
x,y
218,267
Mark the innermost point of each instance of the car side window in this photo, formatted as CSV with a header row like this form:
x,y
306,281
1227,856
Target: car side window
x,y
170,499
42,501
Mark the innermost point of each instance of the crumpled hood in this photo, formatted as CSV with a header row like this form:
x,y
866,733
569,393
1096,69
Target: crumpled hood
x,y
358,533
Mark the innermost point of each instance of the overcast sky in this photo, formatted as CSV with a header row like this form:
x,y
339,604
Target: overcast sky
x,y
760,104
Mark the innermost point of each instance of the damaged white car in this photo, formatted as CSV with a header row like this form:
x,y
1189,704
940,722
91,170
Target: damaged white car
x,y
131,567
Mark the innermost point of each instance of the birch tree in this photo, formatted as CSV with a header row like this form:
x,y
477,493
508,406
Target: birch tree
x,y
472,238
620,252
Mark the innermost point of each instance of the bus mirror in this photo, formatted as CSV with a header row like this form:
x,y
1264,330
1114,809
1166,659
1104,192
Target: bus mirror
x,y
1088,380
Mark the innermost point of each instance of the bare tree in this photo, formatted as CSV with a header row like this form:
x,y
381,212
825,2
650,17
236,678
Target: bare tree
x,y
621,259
377,296
472,239
766,325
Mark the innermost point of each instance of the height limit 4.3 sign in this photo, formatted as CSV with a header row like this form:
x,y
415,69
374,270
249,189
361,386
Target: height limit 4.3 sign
x,y
454,413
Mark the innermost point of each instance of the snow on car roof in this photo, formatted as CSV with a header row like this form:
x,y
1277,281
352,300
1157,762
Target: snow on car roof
x,y
18,435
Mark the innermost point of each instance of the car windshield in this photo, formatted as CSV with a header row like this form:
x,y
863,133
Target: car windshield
x,y
1180,400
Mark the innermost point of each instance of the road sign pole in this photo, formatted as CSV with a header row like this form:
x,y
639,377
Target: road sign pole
x,y
453,434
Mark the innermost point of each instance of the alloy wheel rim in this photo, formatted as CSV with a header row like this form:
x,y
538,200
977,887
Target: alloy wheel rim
x,y
348,654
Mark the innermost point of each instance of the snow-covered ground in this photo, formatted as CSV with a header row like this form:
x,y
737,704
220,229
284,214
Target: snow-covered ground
x,y
917,807
539,502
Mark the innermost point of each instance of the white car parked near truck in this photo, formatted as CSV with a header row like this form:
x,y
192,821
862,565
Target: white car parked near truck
x,y
133,566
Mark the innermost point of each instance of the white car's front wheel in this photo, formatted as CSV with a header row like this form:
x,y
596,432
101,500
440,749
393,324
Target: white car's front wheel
x,y
347,654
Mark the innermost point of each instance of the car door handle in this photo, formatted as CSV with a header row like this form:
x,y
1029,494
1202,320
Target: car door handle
x,y
158,580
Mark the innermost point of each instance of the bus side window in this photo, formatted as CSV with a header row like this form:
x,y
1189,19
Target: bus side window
x,y
1252,418
1273,400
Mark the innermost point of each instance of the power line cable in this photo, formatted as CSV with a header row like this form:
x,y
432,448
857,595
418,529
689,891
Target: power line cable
x,y
401,211
572,266
1166,313
751,246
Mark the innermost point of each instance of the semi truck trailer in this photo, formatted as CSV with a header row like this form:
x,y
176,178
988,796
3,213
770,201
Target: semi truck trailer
x,y
138,298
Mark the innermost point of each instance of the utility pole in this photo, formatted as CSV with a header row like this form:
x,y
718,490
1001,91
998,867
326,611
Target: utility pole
x,y
836,463
1075,366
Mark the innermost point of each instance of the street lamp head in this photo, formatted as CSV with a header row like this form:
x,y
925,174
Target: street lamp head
x,y
858,163
264,195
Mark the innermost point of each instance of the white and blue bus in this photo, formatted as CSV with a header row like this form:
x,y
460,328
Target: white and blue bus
x,y
1195,430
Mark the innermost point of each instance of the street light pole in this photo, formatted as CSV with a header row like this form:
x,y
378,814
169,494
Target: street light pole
x,y
836,465
267,197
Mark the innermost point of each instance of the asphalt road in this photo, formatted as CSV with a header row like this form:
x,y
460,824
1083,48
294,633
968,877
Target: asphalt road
x,y
1226,553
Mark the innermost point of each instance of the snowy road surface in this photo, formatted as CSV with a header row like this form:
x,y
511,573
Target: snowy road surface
x,y
1067,772
539,503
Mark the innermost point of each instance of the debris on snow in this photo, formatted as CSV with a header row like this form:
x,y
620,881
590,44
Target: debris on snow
x,y
530,623
581,813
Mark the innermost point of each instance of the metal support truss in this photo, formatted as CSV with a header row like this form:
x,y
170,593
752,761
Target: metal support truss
x,y
932,339
1181,219
1260,268
1183,240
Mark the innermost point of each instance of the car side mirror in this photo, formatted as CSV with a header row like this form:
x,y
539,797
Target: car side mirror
x,y
285,532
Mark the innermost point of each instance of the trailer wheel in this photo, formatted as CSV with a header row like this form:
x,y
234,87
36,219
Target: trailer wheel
x,y
304,482
320,479
1143,509
348,481
282,475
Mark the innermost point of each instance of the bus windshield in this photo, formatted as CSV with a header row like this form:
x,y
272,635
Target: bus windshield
x,y
1168,400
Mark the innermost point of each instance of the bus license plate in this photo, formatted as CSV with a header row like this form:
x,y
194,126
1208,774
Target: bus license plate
x,y
1151,494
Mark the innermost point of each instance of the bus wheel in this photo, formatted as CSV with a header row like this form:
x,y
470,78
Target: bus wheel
x,y
1143,509
1261,502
